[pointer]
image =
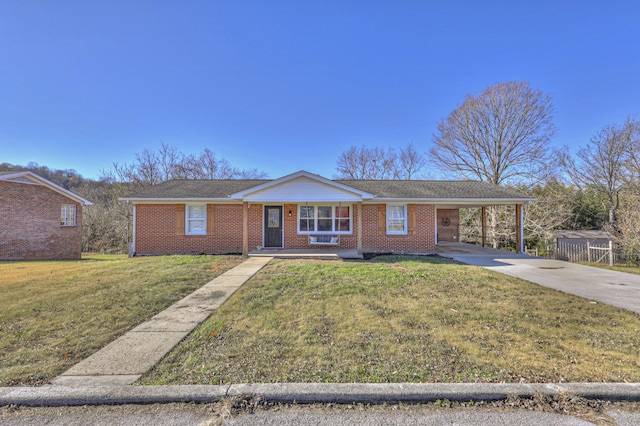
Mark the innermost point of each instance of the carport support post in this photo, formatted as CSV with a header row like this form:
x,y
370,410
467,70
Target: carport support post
x,y
245,229
359,228
519,229
484,226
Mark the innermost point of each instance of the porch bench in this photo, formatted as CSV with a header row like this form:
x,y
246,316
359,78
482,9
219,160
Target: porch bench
x,y
324,239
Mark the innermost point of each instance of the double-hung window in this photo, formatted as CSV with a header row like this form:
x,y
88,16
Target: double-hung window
x,y
307,222
396,218
196,219
343,219
68,215
324,219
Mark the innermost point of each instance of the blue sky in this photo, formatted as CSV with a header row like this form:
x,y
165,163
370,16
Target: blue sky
x,y
287,85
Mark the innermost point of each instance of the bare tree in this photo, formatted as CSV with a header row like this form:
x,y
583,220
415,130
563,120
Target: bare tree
x,y
364,163
378,163
606,163
500,136
628,225
409,164
154,167
633,160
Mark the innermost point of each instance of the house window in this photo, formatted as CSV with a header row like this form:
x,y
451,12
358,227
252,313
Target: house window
x,y
68,215
307,219
196,220
396,218
343,219
324,219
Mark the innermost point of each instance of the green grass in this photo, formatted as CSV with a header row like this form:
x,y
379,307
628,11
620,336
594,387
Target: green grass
x,y
630,269
403,319
56,313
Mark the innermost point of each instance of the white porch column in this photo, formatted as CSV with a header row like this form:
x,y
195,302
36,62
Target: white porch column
x,y
359,228
132,249
484,226
245,229
519,228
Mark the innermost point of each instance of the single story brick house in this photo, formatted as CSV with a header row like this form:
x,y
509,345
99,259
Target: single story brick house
x,y
38,219
307,211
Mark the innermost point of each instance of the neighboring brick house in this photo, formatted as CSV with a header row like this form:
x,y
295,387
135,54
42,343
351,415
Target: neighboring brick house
x,y
38,219
307,211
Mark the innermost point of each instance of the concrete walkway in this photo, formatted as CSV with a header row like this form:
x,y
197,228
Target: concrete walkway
x,y
613,288
124,360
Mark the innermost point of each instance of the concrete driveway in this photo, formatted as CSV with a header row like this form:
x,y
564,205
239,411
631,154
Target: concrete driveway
x,y
614,288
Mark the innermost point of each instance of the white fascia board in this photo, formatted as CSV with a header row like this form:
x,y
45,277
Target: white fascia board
x,y
39,180
458,201
179,200
301,173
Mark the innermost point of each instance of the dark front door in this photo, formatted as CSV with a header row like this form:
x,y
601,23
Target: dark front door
x,y
273,226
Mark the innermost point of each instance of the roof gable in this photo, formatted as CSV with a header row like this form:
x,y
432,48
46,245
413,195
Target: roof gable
x,y
302,186
31,178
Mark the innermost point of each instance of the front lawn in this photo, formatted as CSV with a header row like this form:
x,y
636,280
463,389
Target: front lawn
x,y
403,319
56,313
629,269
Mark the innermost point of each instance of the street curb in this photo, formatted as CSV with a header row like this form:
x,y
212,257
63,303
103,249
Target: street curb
x,y
309,393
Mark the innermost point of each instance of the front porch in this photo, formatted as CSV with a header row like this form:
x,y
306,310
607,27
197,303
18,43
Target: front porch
x,y
306,253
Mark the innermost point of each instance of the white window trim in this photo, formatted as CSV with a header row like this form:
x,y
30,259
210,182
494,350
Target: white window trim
x,y
333,219
405,226
64,216
187,219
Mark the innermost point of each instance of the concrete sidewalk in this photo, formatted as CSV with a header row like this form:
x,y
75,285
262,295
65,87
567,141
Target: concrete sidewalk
x,y
614,288
124,360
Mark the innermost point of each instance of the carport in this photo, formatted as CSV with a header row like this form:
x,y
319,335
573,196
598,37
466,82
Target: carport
x,y
447,220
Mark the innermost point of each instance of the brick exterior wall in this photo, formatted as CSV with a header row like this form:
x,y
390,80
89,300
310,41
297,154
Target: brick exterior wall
x,y
30,224
255,225
421,241
157,230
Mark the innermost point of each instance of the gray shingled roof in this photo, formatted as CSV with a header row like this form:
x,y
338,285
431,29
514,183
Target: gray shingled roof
x,y
432,189
385,189
583,234
209,189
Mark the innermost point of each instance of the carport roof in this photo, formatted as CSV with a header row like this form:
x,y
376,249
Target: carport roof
x,y
434,189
